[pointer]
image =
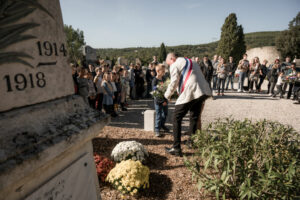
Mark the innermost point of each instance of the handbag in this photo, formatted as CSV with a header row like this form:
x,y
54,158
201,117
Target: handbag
x,y
237,72
221,76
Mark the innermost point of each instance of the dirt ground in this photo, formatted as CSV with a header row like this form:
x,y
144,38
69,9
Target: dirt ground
x,y
169,178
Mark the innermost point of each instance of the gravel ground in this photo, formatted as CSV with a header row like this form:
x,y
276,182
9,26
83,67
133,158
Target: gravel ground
x,y
169,179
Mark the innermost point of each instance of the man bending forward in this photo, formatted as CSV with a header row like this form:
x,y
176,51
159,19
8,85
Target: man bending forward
x,y
192,89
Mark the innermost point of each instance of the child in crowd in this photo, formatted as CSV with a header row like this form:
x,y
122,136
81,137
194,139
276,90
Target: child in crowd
x,y
115,90
108,95
92,90
82,84
98,83
160,104
279,84
124,80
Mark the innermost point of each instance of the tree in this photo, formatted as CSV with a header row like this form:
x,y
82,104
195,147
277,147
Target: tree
x,y
240,48
75,42
232,41
162,53
288,42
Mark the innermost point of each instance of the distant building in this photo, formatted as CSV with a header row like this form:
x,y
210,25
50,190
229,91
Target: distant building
x,y
90,54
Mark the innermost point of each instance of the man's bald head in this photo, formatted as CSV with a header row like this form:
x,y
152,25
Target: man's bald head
x,y
171,58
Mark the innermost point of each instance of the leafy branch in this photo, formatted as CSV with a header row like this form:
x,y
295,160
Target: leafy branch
x,y
11,11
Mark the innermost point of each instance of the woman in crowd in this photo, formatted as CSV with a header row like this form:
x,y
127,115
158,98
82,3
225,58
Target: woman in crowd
x,y
82,84
221,74
273,76
262,74
124,81
98,83
243,67
254,70
139,81
115,90
108,95
92,90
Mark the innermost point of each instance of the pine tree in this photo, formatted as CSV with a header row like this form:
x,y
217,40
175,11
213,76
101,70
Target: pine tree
x,y
232,41
162,53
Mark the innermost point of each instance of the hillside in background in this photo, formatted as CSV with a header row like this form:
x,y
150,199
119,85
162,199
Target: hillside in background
x,y
256,39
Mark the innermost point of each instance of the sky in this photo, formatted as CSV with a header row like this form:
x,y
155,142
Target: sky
x,y
148,23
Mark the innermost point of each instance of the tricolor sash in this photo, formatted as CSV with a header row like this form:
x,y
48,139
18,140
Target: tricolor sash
x,y
185,74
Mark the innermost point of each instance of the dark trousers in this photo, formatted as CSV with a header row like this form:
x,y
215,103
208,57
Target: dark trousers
x,y
261,80
149,89
272,86
215,80
92,102
221,84
291,86
180,111
229,79
278,91
208,79
252,82
99,100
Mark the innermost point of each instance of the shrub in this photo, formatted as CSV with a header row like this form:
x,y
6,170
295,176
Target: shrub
x,y
129,177
129,150
244,159
103,166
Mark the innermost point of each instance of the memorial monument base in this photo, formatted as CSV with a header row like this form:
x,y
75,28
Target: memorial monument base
x,y
46,151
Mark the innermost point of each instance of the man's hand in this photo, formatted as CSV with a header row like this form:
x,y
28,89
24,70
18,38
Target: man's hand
x,y
165,103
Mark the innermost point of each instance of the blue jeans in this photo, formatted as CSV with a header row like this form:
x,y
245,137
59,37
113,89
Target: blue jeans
x,y
215,81
241,80
229,79
161,113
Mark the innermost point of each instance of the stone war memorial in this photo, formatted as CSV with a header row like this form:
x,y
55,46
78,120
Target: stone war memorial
x,y
45,130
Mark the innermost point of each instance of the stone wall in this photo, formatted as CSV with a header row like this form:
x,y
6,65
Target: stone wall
x,y
269,53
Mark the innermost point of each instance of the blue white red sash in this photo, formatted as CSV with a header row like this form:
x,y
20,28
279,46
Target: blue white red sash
x,y
185,74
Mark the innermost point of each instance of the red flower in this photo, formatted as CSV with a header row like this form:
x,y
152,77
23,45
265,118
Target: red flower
x,y
103,166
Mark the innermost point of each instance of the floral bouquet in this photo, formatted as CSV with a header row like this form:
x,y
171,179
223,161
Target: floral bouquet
x,y
160,89
129,177
290,79
103,166
129,150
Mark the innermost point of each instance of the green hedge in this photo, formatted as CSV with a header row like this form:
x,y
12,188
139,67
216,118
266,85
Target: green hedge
x,y
247,160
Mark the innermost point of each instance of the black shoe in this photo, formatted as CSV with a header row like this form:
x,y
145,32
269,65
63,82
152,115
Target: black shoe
x,y
165,129
172,151
157,134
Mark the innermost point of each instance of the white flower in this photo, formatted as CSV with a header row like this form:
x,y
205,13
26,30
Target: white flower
x,y
129,149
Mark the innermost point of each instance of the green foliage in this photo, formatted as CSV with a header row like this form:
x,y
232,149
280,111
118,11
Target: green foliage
x,y
232,39
288,42
162,53
244,159
75,42
260,39
11,11
252,40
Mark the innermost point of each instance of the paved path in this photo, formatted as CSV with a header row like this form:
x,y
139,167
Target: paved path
x,y
235,105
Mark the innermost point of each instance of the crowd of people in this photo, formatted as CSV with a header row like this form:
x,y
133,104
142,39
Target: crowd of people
x,y
107,87
251,75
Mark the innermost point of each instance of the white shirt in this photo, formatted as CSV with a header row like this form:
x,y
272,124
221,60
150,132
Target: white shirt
x,y
195,87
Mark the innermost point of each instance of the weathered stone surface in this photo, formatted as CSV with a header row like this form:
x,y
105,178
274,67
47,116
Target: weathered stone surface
x,y
269,53
40,72
73,183
149,120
